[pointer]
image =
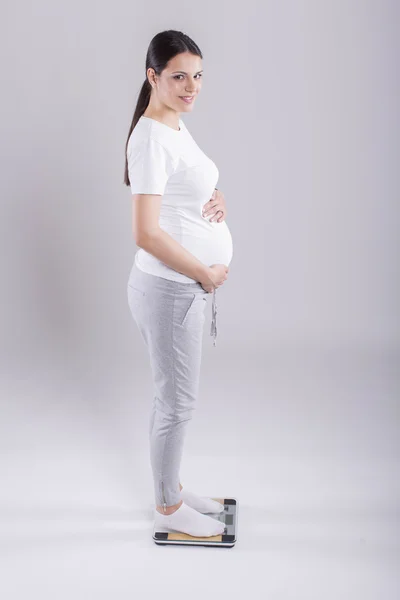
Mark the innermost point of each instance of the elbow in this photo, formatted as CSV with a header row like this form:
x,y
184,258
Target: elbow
x,y
144,239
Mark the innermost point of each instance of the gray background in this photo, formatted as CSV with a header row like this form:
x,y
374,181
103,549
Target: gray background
x,y
298,411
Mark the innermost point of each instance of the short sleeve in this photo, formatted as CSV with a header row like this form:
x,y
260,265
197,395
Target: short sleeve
x,y
149,167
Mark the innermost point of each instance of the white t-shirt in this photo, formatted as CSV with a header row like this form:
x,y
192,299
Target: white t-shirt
x,y
163,160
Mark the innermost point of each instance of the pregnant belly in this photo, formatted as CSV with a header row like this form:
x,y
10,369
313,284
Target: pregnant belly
x,y
211,246
210,243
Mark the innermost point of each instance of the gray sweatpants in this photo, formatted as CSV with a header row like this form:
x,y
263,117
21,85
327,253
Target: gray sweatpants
x,y
170,317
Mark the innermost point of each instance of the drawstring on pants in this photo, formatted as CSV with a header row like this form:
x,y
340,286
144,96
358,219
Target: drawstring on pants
x,y
214,316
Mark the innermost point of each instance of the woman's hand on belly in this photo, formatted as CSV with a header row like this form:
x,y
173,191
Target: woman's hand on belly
x,y
215,276
214,206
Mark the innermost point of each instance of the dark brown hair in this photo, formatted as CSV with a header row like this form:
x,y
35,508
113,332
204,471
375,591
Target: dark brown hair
x,y
162,48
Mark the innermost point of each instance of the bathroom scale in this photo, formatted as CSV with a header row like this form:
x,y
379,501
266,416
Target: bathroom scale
x,y
227,539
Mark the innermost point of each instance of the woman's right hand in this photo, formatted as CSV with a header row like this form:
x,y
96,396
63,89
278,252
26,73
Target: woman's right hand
x,y
215,276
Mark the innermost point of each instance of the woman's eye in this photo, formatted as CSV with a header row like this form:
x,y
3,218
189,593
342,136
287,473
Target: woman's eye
x,y
198,75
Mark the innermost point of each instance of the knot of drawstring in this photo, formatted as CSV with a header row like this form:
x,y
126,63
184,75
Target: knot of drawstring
x,y
214,316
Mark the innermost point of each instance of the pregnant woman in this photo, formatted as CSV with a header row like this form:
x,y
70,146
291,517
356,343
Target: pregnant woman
x,y
185,248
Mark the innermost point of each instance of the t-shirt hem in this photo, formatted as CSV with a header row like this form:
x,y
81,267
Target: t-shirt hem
x,y
163,270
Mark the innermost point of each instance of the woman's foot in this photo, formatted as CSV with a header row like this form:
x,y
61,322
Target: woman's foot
x,y
200,503
186,519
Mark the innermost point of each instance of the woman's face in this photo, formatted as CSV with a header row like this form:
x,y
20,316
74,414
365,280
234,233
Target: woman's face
x,y
181,77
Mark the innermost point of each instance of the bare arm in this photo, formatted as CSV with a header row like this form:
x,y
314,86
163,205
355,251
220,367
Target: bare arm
x,y
149,236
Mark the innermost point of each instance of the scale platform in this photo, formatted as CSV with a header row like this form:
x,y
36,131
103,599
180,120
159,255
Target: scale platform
x,y
222,540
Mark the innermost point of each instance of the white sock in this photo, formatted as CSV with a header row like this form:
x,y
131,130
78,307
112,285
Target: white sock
x,y
187,520
201,503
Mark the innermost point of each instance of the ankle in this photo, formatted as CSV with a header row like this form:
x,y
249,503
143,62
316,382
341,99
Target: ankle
x,y
169,510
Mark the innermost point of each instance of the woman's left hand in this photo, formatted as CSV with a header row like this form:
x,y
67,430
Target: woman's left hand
x,y
214,206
